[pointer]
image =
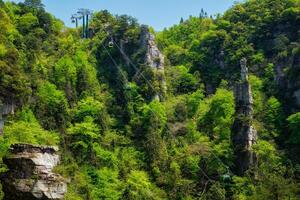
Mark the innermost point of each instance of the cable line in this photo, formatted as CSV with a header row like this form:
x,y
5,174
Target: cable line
x,y
228,173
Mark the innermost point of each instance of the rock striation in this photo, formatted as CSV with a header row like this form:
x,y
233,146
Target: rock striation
x,y
244,134
30,174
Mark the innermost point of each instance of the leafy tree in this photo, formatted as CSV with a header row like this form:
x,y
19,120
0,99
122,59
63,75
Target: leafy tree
x,y
34,4
26,129
194,100
294,125
107,185
82,136
52,107
154,121
27,22
216,192
216,117
181,81
93,108
274,116
66,76
138,186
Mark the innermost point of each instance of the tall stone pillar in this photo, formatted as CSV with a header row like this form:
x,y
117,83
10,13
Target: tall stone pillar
x,y
244,134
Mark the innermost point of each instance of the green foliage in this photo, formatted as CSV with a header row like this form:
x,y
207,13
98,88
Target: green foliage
x,y
216,116
107,185
82,135
181,81
154,121
65,75
138,186
26,129
52,108
194,101
216,192
116,141
27,22
34,4
274,116
272,175
93,108
294,125
258,96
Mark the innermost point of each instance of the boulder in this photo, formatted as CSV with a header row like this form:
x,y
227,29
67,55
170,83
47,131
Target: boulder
x,y
30,173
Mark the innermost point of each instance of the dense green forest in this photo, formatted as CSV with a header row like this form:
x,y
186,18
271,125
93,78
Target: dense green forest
x,y
126,131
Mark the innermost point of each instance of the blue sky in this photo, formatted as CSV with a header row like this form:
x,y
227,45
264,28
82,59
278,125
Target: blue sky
x,y
156,13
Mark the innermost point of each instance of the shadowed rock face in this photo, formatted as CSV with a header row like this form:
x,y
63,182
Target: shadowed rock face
x,y
30,174
244,134
5,109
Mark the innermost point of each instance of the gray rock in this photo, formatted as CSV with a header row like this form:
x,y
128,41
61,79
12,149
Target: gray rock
x,y
155,59
244,134
30,173
296,95
5,109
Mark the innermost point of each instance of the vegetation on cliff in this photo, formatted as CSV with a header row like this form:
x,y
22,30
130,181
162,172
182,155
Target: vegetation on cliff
x,y
94,98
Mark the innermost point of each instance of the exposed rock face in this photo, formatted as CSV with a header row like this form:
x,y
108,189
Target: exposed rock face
x,y
5,109
296,95
244,134
30,174
288,83
155,59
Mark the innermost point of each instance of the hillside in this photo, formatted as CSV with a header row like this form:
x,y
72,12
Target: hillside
x,y
206,109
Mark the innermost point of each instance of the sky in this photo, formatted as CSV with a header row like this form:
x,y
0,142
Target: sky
x,y
156,13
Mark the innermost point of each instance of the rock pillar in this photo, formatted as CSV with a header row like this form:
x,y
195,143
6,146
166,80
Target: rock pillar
x,y
244,134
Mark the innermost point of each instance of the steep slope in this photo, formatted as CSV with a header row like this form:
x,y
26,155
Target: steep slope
x,y
145,115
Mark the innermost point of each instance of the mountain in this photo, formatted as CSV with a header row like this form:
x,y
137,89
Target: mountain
x,y
206,109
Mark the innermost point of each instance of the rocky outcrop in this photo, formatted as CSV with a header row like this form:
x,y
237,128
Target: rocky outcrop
x,y
244,134
30,174
287,72
155,59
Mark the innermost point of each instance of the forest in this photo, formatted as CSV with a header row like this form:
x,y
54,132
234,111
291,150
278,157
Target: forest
x,y
141,114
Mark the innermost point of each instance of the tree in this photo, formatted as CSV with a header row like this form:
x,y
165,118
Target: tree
x,y
274,117
154,121
216,116
82,136
27,23
52,106
37,4
107,185
138,186
294,126
181,20
65,76
181,80
26,129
